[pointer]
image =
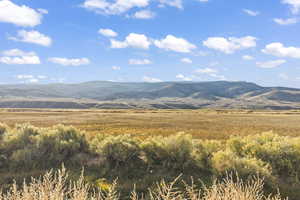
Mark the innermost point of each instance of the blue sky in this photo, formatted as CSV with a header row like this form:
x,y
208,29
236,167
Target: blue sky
x,y
67,41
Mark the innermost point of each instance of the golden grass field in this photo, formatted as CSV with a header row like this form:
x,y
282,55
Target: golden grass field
x,y
205,124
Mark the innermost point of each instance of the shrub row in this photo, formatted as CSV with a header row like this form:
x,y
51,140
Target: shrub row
x,y
143,161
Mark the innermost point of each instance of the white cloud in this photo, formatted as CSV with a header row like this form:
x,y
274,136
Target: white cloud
x,y
24,60
206,71
43,11
183,77
279,50
283,76
115,8
116,68
251,12
218,76
294,4
144,14
34,37
203,1
247,57
33,80
132,40
151,79
115,44
231,44
17,52
24,76
42,77
20,15
108,33
186,60
288,21
19,57
270,64
173,3
173,43
211,72
139,62
70,62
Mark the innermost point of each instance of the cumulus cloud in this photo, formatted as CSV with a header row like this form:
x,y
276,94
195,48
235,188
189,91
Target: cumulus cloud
x,y
43,11
294,4
172,43
186,60
116,68
34,37
19,57
183,77
231,44
132,40
251,12
270,64
283,76
139,62
247,57
114,8
151,79
206,71
288,21
279,50
17,52
173,3
41,77
213,73
27,78
108,33
144,14
115,44
20,15
24,76
70,61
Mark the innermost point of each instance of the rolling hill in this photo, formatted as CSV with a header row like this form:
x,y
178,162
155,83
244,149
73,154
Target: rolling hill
x,y
164,95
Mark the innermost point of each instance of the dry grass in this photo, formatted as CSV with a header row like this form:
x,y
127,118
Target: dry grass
x,y
54,186
206,124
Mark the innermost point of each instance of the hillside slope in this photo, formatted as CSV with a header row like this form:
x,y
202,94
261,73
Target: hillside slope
x,y
102,94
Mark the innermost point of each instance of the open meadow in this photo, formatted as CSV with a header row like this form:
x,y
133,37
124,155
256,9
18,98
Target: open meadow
x,y
142,147
202,124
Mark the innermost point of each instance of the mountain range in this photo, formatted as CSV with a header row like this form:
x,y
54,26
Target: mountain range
x,y
162,95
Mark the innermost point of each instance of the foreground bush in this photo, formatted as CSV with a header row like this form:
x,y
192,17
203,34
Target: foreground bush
x,y
27,151
54,186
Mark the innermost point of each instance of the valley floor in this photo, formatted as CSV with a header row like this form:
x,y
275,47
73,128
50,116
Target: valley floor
x,y
204,124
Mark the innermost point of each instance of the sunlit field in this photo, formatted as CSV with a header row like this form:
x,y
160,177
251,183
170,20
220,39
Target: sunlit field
x,y
203,124
127,145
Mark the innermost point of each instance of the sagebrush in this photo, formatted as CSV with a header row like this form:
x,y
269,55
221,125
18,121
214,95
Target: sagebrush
x,y
27,151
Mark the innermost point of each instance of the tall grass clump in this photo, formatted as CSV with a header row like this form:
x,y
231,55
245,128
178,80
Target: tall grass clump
x,y
55,186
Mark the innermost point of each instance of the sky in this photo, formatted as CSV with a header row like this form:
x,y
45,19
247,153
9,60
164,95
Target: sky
x,y
63,41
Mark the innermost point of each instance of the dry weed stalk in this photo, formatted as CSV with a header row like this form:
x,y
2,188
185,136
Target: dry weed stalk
x,y
54,186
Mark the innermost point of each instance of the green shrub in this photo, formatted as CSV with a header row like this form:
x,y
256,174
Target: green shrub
x,y
174,152
224,162
281,153
3,129
121,155
26,148
62,144
203,152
